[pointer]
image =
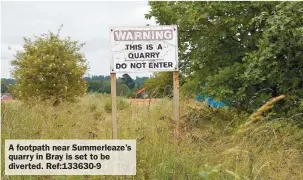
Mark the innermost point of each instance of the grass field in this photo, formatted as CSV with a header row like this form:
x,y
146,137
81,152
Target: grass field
x,y
210,145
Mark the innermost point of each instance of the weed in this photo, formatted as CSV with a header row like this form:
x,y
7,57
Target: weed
x,y
269,150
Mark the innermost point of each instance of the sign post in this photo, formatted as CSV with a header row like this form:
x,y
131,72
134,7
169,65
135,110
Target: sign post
x,y
114,105
176,101
144,49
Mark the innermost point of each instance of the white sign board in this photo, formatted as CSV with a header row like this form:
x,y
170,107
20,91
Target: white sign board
x,y
144,49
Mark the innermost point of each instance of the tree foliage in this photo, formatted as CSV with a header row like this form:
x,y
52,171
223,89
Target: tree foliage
x,y
278,62
49,67
4,87
236,51
126,86
161,84
6,84
128,81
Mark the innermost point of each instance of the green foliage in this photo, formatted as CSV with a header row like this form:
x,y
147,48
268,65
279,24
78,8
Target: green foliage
x,y
190,89
98,86
238,50
4,87
127,80
126,86
8,81
5,84
278,62
161,84
122,90
94,86
49,68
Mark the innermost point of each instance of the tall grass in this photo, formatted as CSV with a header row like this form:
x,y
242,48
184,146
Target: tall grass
x,y
209,147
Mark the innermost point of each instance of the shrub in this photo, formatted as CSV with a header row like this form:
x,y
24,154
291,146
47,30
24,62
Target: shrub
x,y
49,68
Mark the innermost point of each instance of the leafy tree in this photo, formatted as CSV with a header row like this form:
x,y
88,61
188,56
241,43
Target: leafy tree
x,y
127,80
238,50
101,77
94,86
122,90
106,87
4,87
9,81
49,68
161,84
278,62
6,84
140,80
139,83
101,84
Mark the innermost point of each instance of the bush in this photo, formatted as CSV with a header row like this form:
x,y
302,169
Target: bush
x,y
49,68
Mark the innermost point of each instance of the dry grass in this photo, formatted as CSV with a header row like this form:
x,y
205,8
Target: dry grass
x,y
258,115
143,102
209,148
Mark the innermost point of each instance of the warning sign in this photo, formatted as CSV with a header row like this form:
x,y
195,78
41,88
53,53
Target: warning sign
x,y
144,49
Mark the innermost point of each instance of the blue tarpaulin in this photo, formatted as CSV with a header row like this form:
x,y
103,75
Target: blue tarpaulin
x,y
210,101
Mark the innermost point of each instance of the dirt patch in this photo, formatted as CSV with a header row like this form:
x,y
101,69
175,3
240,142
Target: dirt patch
x,y
143,102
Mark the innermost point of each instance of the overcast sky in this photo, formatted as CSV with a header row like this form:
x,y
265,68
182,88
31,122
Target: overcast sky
x,y
84,21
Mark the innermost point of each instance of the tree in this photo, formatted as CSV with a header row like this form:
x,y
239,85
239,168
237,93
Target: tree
x,y
49,68
278,62
128,81
161,84
106,88
237,49
94,86
122,90
4,86
101,84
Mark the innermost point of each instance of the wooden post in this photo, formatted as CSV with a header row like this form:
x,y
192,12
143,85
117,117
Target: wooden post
x,y
114,105
176,101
